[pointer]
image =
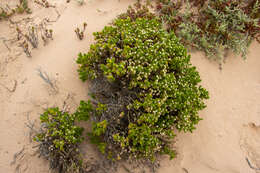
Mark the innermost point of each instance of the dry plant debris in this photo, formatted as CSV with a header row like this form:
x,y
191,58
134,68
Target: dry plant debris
x,y
10,89
45,77
44,3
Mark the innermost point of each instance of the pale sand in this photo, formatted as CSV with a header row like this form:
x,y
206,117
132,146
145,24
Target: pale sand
x,y
229,133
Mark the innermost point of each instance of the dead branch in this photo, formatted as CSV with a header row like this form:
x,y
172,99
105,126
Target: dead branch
x,y
47,79
44,3
4,42
250,165
126,169
27,19
57,18
16,155
30,125
10,90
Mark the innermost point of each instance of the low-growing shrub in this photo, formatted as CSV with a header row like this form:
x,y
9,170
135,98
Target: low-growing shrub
x,y
213,26
59,138
143,82
7,12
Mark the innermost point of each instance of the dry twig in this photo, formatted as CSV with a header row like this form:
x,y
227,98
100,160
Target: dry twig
x,y
44,3
30,125
47,79
12,89
250,165
16,155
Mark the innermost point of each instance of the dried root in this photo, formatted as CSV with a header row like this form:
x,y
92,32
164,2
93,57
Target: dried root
x,y
79,32
44,3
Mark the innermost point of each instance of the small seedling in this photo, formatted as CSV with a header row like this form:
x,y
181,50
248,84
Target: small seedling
x,y
80,33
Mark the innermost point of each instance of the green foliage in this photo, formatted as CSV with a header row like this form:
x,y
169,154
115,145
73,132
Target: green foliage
x,y
212,26
138,11
150,87
218,30
5,13
59,139
84,111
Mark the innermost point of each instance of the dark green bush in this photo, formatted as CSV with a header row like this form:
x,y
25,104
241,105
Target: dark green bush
x,y
144,77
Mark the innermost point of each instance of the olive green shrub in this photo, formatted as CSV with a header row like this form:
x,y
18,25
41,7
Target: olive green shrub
x,y
143,76
59,138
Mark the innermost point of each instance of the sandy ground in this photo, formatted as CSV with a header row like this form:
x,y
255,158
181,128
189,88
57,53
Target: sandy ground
x,y
229,133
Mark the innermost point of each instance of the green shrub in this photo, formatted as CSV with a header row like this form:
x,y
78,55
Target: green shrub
x,y
60,138
143,76
213,26
7,12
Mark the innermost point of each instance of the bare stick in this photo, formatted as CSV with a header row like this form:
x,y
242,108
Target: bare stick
x,y
46,78
30,125
126,169
10,90
44,3
57,18
4,42
17,155
250,165
185,170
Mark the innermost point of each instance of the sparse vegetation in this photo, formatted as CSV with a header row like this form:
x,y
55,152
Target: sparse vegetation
x,y
59,140
79,32
44,3
213,27
142,78
7,12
